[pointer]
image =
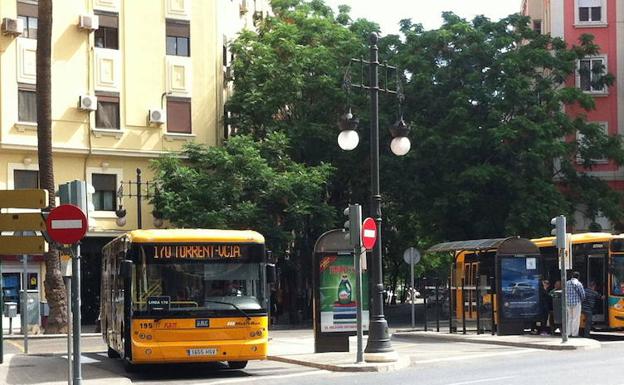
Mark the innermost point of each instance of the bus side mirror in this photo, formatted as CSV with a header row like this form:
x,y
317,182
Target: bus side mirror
x,y
271,273
126,269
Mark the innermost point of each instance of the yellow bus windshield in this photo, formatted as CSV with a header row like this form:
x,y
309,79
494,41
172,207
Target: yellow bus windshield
x,y
197,286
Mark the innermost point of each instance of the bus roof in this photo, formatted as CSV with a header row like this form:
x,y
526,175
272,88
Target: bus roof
x,y
576,238
193,235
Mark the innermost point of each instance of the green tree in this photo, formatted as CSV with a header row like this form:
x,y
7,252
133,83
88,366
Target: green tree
x,y
489,156
248,184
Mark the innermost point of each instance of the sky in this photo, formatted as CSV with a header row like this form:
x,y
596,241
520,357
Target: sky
x,y
388,13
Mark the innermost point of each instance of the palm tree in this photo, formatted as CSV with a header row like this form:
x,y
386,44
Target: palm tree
x,y
54,286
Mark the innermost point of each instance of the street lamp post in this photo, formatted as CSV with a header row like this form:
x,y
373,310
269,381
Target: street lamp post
x,y
378,347
139,195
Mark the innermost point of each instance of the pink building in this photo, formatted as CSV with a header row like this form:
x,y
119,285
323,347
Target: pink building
x,y
604,19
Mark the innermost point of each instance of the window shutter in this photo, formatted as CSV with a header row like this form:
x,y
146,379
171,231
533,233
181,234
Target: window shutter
x,y
590,3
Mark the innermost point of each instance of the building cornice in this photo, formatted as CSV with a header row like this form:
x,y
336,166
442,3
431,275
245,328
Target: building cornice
x,y
85,151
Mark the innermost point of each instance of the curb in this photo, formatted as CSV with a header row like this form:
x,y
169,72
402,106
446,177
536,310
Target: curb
x,y
533,345
45,336
402,363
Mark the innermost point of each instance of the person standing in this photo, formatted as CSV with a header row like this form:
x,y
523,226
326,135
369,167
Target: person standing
x,y
546,307
587,307
575,294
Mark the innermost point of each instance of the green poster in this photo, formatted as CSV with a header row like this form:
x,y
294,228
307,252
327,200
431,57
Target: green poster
x,y
337,294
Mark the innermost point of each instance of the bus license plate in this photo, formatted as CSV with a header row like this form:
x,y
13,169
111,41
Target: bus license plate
x,y
202,352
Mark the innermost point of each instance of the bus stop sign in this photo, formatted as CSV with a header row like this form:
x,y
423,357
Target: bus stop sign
x,y
66,224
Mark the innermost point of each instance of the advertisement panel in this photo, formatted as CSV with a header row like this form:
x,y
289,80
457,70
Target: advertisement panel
x,y
520,287
337,294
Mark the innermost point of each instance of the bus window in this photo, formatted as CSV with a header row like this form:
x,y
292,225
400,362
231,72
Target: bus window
x,y
617,275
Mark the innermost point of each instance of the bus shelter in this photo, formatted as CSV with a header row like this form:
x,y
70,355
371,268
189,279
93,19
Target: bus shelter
x,y
334,298
495,282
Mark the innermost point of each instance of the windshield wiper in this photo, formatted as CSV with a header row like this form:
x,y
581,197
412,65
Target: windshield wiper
x,y
234,306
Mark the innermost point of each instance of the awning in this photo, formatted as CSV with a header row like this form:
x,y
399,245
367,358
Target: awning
x,y
503,246
472,245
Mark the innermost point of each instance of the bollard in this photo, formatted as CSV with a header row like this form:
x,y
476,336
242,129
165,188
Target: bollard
x,y
478,300
450,290
424,290
437,302
492,304
463,307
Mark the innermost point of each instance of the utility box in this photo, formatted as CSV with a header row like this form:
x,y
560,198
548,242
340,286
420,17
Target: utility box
x,y
10,309
556,296
34,310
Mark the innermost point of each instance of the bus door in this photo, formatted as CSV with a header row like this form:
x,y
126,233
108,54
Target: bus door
x,y
596,271
470,289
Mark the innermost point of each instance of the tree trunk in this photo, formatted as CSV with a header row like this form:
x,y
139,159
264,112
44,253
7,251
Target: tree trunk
x,y
54,286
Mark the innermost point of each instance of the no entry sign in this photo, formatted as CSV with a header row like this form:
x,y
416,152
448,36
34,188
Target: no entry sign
x,y
369,233
66,224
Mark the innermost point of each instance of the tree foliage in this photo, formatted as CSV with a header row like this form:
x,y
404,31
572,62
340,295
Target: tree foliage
x,y
244,184
493,152
489,155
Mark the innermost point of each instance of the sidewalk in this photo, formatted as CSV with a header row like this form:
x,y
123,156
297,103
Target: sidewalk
x,y
522,341
51,370
297,347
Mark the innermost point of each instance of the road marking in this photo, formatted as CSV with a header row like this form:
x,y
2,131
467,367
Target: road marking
x,y
482,380
17,345
473,356
256,378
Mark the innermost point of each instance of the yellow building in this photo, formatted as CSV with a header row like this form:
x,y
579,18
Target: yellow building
x,y
131,80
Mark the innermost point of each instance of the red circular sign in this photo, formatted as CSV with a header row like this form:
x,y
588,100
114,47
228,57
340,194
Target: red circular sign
x,y
369,233
66,224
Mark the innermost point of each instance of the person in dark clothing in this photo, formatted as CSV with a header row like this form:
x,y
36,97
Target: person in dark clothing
x,y
546,307
587,306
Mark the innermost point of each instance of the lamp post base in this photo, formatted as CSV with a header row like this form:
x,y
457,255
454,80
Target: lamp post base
x,y
378,346
381,357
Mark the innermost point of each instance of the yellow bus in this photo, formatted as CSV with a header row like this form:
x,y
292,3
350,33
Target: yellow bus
x,y
182,295
598,257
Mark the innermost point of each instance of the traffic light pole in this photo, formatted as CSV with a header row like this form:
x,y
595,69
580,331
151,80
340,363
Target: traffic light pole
x,y
77,370
560,242
564,307
355,230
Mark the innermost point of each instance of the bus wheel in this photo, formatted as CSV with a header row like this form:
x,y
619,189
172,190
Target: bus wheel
x,y
237,364
112,353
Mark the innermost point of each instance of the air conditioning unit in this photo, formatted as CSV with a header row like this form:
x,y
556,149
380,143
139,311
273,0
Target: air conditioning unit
x,y
13,27
88,103
89,22
157,116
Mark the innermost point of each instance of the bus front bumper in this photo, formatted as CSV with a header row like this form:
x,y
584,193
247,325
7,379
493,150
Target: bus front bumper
x,y
199,351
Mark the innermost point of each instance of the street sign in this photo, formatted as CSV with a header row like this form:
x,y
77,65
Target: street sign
x,y
24,199
14,245
22,222
67,224
369,233
411,255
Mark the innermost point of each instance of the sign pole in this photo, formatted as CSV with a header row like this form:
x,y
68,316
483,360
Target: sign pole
x,y
412,293
25,301
355,220
411,255
69,331
76,315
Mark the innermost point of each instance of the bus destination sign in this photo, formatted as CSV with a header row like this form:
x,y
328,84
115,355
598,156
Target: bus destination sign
x,y
213,251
